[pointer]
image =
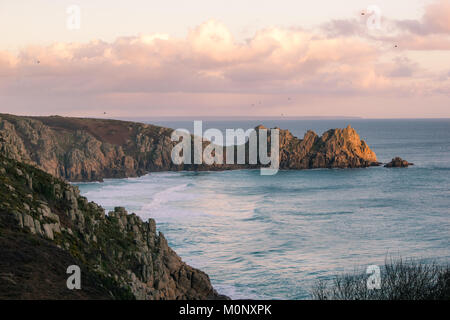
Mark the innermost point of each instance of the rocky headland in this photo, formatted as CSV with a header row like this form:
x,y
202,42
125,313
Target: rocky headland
x,y
336,148
81,149
45,226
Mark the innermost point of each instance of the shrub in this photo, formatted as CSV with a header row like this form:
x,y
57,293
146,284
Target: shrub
x,y
400,280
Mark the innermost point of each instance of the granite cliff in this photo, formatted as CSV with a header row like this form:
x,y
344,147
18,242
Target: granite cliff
x,y
336,148
85,149
79,149
45,226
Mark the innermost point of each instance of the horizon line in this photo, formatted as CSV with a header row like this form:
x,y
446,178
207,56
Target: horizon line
x,y
213,118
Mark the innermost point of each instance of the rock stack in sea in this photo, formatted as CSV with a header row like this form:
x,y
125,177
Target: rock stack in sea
x,y
336,148
398,162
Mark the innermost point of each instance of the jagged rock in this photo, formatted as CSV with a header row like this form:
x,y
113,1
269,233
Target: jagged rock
x,y
336,148
48,231
29,223
398,162
37,227
18,217
93,149
127,254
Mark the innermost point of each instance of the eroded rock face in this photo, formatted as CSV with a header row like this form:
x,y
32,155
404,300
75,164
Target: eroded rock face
x,y
93,149
336,148
127,253
398,162
83,149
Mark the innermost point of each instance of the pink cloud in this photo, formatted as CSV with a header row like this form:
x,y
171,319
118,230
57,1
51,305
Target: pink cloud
x,y
430,32
210,70
437,17
208,60
435,20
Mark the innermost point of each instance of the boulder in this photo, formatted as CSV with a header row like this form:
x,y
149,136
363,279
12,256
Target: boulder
x,y
398,162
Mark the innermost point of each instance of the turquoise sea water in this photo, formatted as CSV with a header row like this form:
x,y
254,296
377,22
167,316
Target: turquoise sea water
x,y
271,237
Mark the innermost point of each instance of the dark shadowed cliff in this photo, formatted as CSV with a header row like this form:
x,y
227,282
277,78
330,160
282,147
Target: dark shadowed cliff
x,y
79,149
45,226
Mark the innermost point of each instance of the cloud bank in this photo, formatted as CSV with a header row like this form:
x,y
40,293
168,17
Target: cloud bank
x,y
341,68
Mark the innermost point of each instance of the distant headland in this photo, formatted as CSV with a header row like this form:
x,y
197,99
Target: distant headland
x,y
84,149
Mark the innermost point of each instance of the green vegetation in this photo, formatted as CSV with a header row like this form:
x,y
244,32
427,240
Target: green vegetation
x,y
400,280
25,190
45,226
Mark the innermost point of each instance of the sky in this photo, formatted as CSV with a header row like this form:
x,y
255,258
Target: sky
x,y
209,58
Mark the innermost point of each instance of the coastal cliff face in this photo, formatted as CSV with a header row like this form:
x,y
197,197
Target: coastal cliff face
x,y
45,226
86,149
93,149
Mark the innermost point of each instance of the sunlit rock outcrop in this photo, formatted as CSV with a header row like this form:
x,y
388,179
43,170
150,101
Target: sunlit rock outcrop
x,y
78,149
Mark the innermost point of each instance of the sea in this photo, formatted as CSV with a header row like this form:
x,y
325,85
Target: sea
x,y
274,237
